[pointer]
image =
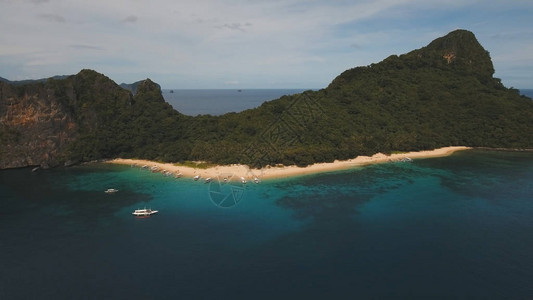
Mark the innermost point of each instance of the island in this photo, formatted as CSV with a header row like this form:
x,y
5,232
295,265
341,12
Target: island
x,y
441,95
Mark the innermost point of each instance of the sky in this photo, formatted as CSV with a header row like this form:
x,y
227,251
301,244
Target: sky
x,y
201,44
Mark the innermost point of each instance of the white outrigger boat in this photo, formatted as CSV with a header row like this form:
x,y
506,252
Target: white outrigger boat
x,y
144,212
111,191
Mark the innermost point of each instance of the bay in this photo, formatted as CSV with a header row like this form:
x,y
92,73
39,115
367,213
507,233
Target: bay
x,y
452,227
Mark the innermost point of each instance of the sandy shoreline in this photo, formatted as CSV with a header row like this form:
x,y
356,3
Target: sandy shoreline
x,y
235,172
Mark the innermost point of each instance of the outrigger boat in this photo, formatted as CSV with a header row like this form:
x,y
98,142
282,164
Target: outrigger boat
x,y
144,212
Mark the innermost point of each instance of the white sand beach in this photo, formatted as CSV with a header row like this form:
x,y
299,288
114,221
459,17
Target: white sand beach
x,y
235,172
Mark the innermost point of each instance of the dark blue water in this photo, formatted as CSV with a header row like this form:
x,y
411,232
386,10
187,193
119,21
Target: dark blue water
x,y
221,101
454,227
527,92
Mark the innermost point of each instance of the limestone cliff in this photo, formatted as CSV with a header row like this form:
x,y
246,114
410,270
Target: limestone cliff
x,y
35,127
39,121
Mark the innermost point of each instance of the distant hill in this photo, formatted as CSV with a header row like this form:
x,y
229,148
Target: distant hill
x,y
30,81
443,94
132,87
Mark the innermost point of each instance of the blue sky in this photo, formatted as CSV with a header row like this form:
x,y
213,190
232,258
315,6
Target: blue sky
x,y
248,44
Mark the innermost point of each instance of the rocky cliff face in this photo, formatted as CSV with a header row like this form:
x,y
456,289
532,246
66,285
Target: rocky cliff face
x,y
35,127
39,121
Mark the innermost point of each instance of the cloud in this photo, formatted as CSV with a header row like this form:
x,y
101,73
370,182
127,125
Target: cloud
x,y
86,47
129,19
52,18
199,44
235,26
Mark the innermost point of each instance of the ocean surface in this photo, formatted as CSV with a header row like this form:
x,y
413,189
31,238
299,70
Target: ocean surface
x,y
220,101
458,227
527,92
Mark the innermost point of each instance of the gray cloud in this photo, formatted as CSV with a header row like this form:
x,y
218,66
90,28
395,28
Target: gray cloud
x,y
129,19
235,26
86,47
52,18
313,40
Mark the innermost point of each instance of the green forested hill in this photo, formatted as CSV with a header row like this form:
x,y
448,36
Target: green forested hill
x,y
441,95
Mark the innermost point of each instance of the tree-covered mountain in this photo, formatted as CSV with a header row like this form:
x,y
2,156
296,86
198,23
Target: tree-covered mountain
x,y
440,95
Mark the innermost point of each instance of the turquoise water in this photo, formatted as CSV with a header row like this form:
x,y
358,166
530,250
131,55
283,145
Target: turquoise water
x,y
453,227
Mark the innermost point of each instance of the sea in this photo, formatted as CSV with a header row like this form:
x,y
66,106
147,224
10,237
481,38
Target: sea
x,y
216,102
527,92
456,227
220,101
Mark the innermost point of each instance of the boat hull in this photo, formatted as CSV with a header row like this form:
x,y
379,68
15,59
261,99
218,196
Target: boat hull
x,y
144,212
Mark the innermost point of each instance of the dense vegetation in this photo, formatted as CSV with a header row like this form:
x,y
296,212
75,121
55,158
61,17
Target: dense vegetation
x,y
440,95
